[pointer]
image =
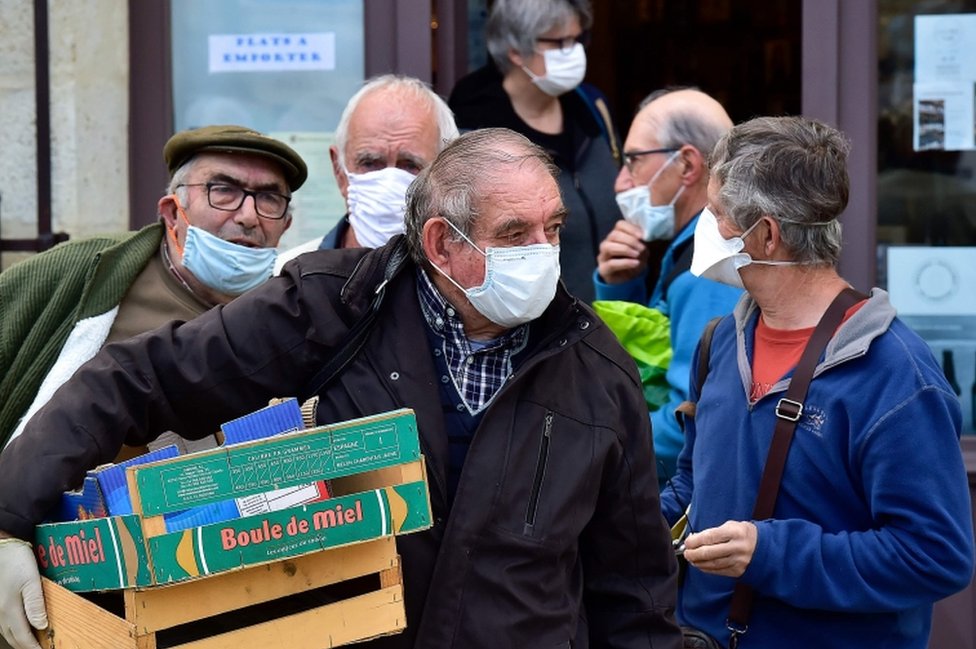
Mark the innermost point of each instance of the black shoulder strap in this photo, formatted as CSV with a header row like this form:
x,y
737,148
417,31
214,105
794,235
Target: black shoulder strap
x,y
356,337
688,409
705,350
789,411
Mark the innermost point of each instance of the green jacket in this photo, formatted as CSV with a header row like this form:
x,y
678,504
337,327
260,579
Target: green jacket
x,y
43,298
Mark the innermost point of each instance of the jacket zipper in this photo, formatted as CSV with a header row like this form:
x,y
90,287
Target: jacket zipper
x,y
540,473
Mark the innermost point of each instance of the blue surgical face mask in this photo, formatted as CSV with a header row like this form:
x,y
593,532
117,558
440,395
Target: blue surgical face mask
x,y
656,221
224,266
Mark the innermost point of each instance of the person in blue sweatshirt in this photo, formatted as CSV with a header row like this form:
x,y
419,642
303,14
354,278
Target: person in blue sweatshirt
x,y
661,191
872,523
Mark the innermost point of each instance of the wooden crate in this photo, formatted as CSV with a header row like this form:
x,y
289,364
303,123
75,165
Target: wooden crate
x,y
192,602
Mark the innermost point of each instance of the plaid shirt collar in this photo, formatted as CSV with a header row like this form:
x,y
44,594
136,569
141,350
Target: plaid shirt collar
x,y
477,368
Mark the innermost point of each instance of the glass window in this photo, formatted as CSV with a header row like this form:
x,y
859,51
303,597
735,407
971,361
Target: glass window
x,y
283,67
926,188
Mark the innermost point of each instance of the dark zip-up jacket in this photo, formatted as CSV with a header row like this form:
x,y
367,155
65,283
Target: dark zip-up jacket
x,y
555,536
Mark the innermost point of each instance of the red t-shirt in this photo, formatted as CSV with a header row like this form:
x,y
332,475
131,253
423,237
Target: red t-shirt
x,y
777,351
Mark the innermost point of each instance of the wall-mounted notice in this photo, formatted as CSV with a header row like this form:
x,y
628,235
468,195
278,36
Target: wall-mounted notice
x,y
932,280
271,52
945,82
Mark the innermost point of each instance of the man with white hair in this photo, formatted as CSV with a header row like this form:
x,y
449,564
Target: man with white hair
x,y
391,128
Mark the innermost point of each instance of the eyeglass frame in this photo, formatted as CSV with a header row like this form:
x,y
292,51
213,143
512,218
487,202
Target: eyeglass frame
x,y
244,194
583,39
630,157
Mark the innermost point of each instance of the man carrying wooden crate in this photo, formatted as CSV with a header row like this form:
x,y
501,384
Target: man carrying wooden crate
x,y
547,525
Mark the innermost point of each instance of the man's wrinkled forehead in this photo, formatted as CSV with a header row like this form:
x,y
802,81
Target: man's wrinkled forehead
x,y
393,126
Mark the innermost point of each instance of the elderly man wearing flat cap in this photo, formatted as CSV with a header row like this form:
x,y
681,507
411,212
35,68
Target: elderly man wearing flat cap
x,y
225,209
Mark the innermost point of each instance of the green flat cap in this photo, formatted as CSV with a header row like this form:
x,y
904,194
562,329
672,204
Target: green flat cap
x,y
234,139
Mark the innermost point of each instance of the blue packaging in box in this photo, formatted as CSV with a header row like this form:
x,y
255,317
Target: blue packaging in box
x,y
81,504
284,417
111,479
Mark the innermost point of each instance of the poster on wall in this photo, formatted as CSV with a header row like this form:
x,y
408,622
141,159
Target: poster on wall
x,y
282,67
944,103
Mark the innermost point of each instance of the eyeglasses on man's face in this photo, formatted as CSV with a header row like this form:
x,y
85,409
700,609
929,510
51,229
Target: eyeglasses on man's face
x,y
229,198
565,43
631,157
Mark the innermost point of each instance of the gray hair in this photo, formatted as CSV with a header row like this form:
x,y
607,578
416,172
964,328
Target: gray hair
x,y
182,174
792,169
700,129
414,88
515,24
452,186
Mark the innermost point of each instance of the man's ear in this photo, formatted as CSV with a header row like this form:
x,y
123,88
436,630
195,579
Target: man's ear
x,y
770,236
434,242
166,208
342,180
694,166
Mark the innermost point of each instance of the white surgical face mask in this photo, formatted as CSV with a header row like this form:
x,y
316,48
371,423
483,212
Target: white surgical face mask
x,y
564,70
656,221
377,202
719,258
519,284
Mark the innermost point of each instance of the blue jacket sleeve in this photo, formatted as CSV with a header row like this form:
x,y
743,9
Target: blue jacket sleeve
x,y
632,291
692,302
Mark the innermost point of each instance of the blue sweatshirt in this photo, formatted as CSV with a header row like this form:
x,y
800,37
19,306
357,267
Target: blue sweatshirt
x,y
873,521
690,303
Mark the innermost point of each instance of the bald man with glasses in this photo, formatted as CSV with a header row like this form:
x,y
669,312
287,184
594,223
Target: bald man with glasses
x,y
661,190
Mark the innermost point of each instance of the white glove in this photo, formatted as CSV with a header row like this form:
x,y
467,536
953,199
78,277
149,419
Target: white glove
x,y
21,598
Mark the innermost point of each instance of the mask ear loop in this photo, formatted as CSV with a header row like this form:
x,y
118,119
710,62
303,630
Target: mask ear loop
x,y
471,243
465,237
784,262
681,189
171,231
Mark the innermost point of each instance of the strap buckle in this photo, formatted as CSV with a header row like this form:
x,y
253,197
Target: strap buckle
x,y
792,412
735,630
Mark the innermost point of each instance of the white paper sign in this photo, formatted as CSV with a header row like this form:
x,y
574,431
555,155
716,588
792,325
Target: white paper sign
x,y
932,281
944,116
271,52
945,82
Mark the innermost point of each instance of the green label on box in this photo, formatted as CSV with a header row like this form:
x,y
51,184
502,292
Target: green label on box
x,y
290,532
95,554
278,462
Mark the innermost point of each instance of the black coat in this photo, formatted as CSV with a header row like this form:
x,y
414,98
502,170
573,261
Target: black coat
x,y
546,544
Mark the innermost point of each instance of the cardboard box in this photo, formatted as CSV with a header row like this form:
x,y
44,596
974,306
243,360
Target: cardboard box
x,y
182,578
111,552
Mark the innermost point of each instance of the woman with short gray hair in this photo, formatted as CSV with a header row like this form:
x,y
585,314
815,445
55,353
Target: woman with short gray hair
x,y
533,85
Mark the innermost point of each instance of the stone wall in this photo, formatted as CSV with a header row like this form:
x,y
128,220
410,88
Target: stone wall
x,y
89,62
